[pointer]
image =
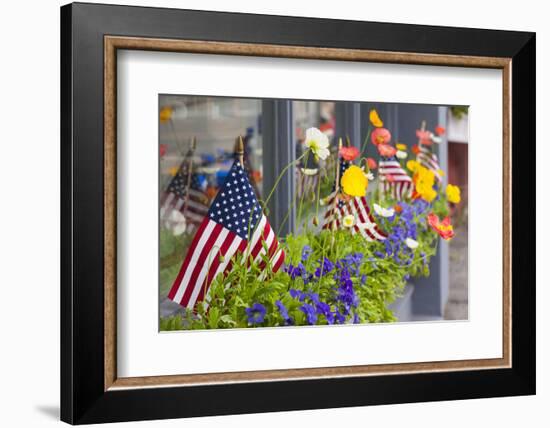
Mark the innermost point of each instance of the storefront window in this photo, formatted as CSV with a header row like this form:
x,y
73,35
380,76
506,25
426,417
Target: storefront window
x,y
198,139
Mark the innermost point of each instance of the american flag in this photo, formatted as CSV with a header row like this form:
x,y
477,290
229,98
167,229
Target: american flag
x,y
234,223
393,179
427,159
356,206
184,186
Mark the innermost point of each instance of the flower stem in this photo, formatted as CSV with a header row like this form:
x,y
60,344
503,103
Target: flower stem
x,y
318,195
364,146
285,169
303,193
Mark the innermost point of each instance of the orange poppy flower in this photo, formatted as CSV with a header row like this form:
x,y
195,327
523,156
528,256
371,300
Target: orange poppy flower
x,y
375,119
166,114
425,137
415,149
439,130
349,153
398,208
444,228
371,163
380,136
386,150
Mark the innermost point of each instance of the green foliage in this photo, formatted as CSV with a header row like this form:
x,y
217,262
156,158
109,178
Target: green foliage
x,y
377,282
172,251
459,112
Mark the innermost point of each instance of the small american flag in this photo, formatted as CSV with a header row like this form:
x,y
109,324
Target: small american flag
x,y
357,206
185,194
393,179
234,223
427,159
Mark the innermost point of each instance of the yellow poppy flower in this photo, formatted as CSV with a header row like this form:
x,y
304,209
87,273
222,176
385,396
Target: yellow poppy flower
x,y
428,194
173,171
401,146
453,193
166,114
375,119
412,165
424,180
354,181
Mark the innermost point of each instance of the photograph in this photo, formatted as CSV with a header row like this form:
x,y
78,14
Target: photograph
x,y
356,213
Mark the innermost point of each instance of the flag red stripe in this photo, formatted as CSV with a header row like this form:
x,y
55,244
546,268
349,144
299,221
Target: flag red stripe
x,y
242,248
185,264
201,262
270,253
279,262
214,266
258,247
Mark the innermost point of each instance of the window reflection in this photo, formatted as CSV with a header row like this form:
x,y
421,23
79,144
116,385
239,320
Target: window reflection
x,y
198,139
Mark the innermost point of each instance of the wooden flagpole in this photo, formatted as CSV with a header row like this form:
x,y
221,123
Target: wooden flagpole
x,y
240,151
422,128
336,185
192,147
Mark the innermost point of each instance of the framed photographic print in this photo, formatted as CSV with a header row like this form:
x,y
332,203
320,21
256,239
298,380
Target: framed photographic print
x,y
265,213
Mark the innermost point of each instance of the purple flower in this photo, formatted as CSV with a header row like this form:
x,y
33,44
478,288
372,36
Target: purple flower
x,y
298,271
339,318
309,310
295,294
420,206
345,294
351,261
306,251
284,312
256,313
325,267
323,308
314,297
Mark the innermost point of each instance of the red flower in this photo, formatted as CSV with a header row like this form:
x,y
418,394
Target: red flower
x,y
415,149
162,150
386,150
380,136
425,137
398,208
371,163
444,227
349,153
439,130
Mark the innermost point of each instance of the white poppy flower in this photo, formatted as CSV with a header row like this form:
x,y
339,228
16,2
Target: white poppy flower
x,y
370,176
175,221
317,142
411,243
348,220
383,212
437,139
309,171
401,154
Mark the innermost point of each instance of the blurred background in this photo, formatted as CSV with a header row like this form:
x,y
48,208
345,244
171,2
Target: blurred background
x,y
203,131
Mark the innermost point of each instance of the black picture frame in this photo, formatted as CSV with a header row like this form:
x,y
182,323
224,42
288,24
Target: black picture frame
x,y
83,396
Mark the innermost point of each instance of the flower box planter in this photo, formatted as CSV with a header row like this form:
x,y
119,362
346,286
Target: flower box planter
x,y
402,308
